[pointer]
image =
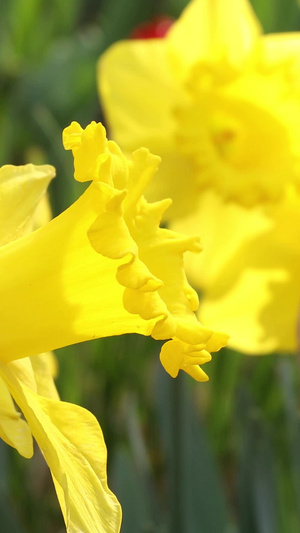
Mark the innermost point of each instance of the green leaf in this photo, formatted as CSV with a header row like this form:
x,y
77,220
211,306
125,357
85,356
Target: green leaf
x,y
196,496
8,520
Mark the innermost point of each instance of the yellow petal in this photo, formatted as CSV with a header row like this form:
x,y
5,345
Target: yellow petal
x,y
225,228
254,294
141,113
42,214
13,429
21,190
257,312
213,31
45,367
239,102
73,445
175,356
282,47
91,142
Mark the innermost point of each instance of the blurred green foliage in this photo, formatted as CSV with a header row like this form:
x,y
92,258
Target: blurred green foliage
x,y
223,456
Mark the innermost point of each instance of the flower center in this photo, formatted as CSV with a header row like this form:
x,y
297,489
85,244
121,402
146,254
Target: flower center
x,y
225,136
237,135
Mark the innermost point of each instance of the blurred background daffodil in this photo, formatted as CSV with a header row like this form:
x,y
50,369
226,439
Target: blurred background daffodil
x,y
219,101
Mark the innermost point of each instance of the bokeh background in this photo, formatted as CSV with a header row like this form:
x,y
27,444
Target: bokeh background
x,y
184,457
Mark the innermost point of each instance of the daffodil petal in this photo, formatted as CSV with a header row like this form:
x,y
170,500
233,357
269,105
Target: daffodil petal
x,y
73,445
282,47
175,356
42,214
21,190
256,311
45,367
13,429
140,114
215,31
256,296
225,228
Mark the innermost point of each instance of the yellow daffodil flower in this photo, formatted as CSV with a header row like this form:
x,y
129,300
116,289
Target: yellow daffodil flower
x,y
103,267
220,103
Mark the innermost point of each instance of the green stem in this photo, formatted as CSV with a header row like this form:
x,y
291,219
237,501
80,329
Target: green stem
x,y
176,521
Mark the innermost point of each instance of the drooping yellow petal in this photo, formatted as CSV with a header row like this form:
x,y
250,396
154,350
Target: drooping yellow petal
x,y
45,368
13,429
73,445
21,190
215,31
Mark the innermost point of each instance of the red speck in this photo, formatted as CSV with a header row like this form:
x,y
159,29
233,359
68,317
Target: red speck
x,y
154,29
